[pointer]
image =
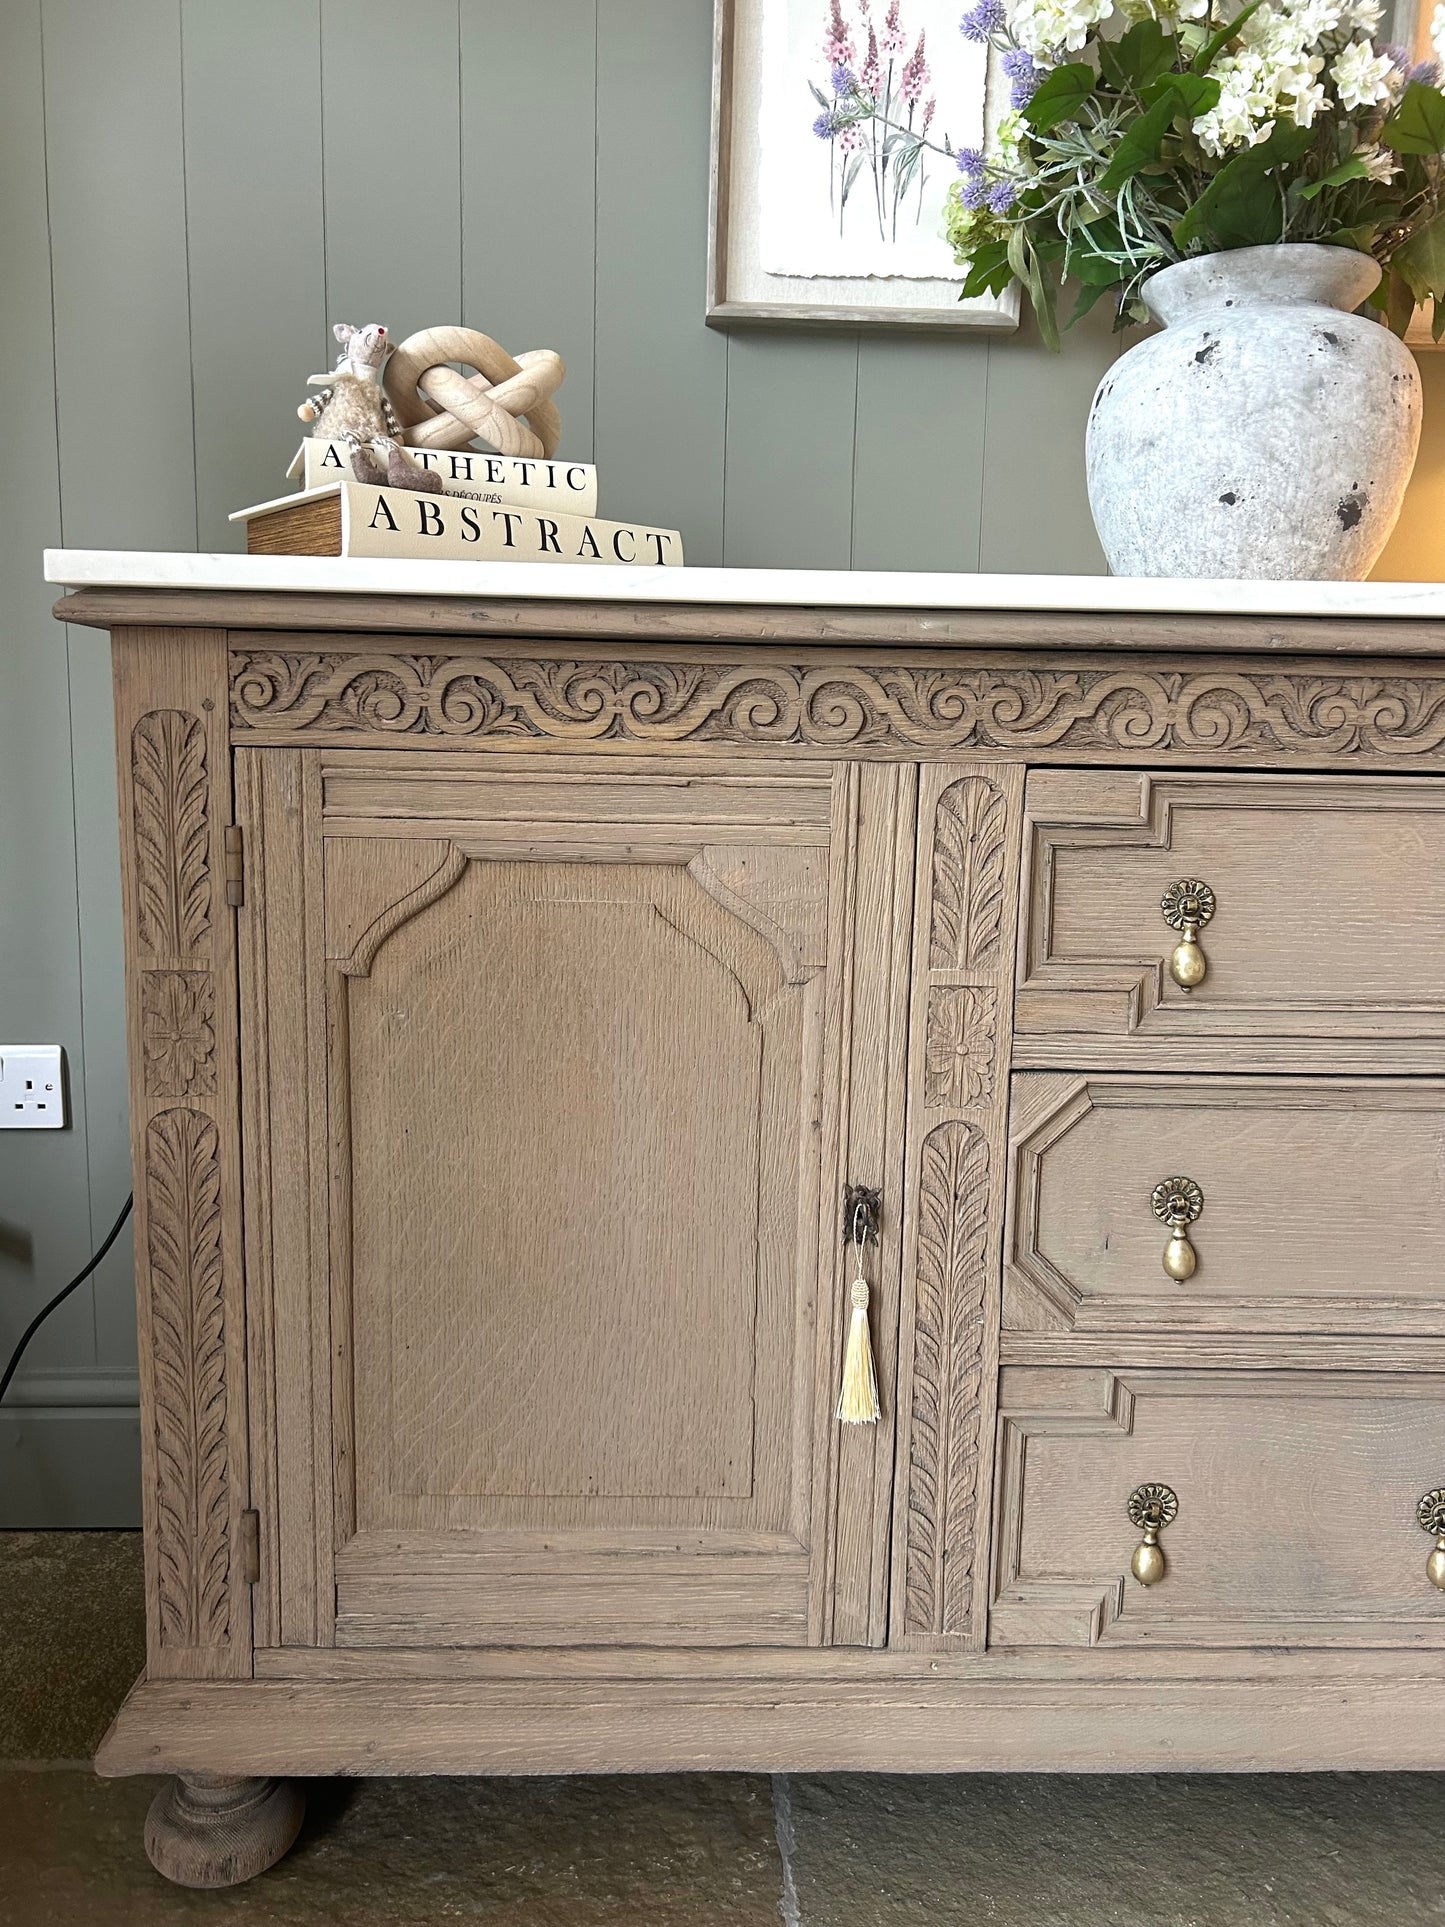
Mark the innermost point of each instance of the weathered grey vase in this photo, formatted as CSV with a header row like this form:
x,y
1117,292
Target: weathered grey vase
x,y
1267,431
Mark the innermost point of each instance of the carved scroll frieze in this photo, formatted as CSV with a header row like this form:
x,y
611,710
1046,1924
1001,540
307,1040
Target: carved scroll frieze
x,y
276,695
178,1033
170,809
192,1501
969,830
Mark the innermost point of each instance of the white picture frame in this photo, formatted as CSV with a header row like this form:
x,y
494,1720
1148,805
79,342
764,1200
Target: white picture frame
x,y
741,290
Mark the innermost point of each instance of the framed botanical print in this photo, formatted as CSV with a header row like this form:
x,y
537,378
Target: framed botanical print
x,y
822,216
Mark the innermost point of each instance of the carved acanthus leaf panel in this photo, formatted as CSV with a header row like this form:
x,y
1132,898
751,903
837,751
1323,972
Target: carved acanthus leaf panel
x,y
968,858
188,1350
1218,710
968,845
171,821
947,1368
178,1033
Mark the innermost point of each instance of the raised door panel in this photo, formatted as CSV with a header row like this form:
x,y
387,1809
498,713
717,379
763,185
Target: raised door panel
x,y
1322,1200
1322,952
589,1084
1296,1507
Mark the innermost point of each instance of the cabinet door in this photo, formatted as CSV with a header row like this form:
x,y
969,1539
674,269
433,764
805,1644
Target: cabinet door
x,y
557,1070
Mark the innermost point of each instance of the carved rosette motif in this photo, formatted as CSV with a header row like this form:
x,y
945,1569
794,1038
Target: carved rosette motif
x,y
962,969
178,1034
959,1045
188,1351
1138,710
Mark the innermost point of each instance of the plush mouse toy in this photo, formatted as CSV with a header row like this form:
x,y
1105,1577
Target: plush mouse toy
x,y
351,404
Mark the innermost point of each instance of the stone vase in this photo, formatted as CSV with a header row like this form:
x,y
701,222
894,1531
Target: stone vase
x,y
1267,431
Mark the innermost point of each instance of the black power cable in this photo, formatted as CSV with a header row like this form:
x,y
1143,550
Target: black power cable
x,y
60,1297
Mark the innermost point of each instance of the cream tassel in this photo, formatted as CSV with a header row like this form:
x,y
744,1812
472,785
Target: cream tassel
x,y
858,1402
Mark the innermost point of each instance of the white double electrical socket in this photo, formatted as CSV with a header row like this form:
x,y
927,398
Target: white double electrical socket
x,y
32,1087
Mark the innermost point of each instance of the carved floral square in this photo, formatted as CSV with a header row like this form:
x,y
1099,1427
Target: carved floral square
x,y
178,1035
958,1052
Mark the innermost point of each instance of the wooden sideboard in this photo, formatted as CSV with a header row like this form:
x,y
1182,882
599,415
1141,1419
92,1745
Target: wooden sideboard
x,y
517,977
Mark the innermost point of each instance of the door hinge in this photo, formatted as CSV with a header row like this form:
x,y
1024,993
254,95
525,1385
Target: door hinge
x,y
235,851
248,1547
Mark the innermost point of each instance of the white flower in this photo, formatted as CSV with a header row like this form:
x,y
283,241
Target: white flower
x,y
1361,76
1008,139
1306,102
1437,30
1042,27
1380,163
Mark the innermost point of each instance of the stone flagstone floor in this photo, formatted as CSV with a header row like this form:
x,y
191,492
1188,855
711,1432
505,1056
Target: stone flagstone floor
x,y
716,1850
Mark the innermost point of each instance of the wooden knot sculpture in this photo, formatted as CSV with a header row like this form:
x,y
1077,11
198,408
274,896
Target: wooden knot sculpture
x,y
507,404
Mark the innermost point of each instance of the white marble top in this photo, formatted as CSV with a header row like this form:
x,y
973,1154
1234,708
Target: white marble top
x,y
806,588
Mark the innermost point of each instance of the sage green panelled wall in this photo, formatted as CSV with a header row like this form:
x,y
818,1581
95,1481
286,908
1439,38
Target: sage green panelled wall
x,y
192,190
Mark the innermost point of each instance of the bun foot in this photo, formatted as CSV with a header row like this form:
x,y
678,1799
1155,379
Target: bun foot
x,y
204,1830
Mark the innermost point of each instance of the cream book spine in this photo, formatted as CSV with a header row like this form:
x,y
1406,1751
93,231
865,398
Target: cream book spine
x,y
507,481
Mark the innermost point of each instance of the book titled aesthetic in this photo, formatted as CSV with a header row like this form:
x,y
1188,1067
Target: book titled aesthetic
x,y
505,480
355,518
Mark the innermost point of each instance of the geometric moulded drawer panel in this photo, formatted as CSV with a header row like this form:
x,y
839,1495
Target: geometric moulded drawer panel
x,y
1319,1203
1296,1496
1324,901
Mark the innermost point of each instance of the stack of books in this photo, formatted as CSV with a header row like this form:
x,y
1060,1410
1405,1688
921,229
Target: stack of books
x,y
490,508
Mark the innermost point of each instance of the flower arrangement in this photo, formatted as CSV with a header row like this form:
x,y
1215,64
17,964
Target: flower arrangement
x,y
1143,132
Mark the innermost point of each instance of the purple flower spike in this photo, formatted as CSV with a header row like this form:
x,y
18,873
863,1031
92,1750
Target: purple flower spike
x,y
824,127
1000,196
970,160
1022,92
983,19
1397,56
843,81
1427,74
975,193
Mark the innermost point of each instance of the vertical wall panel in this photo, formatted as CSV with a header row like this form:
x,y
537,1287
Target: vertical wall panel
x,y
529,78
257,252
390,88
918,480
788,491
1035,506
661,372
122,361
44,1228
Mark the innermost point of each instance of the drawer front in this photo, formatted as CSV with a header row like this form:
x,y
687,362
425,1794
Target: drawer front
x,y
1323,1203
1296,1508
1329,900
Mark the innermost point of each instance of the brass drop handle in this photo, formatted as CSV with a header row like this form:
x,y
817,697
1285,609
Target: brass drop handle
x,y
1151,1508
1187,906
1431,1514
1177,1203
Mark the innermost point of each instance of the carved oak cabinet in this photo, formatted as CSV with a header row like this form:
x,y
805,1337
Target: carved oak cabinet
x,y
521,967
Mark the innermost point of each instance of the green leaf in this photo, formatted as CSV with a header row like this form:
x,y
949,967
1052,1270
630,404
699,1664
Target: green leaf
x,y
1399,302
1025,265
1169,97
1060,96
1138,57
1420,261
1089,293
1240,208
988,271
1204,59
1417,125
1352,169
